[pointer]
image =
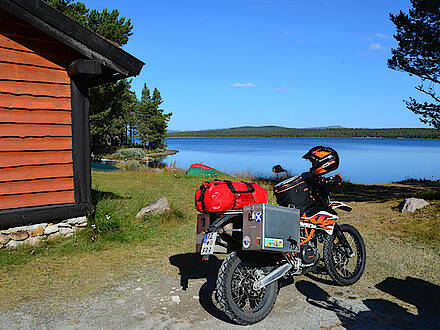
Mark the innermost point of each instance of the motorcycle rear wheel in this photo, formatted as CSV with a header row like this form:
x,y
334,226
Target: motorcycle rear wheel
x,y
235,293
342,268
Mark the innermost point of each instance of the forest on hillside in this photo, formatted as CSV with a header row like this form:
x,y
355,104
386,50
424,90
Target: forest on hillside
x,y
277,131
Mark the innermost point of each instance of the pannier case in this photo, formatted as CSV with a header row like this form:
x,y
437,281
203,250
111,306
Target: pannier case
x,y
271,228
294,192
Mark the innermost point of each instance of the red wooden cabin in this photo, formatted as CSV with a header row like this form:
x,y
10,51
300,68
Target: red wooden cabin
x,y
47,63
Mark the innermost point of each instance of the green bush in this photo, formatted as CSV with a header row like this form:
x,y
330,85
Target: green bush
x,y
133,165
429,194
130,153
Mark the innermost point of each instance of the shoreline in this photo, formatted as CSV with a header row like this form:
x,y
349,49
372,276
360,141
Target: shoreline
x,y
309,137
159,154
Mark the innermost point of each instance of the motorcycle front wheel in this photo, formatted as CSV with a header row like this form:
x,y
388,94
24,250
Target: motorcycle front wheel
x,y
235,293
343,268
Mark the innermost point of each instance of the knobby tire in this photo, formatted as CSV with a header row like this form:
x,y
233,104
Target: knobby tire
x,y
334,258
225,296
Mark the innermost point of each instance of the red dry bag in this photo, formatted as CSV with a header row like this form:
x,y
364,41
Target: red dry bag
x,y
219,196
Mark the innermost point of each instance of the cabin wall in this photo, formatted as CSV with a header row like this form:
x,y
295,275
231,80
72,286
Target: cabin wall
x,y
36,165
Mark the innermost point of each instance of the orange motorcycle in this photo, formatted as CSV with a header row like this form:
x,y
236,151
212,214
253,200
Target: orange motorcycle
x,y
267,242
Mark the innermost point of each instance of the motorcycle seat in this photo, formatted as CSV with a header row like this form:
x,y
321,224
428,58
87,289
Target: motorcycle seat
x,y
314,209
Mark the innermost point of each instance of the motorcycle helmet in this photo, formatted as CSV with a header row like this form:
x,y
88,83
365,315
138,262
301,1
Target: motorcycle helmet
x,y
323,159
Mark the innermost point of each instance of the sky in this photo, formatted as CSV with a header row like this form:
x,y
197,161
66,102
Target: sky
x,y
220,64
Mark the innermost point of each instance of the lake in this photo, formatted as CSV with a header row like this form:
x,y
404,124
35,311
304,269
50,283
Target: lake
x,y
361,160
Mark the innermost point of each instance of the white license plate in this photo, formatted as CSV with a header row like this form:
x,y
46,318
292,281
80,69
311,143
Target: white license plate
x,y
208,244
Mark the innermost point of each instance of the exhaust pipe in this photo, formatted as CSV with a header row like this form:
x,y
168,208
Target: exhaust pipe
x,y
274,275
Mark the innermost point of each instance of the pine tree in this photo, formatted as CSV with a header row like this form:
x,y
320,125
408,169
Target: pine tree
x,y
152,121
158,122
106,23
111,104
143,114
418,53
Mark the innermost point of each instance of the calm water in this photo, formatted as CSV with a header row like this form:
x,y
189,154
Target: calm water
x,y
361,160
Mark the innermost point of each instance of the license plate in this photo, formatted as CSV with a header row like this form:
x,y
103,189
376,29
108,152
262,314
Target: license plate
x,y
208,244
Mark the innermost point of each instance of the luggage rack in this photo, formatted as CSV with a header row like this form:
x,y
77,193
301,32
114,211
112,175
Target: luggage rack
x,y
224,217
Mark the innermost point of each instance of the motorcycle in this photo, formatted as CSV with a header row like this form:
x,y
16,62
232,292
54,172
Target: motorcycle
x,y
248,281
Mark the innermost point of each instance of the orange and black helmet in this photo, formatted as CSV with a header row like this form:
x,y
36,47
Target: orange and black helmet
x,y
323,159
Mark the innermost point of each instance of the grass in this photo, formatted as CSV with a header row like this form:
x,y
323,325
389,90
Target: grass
x,y
116,244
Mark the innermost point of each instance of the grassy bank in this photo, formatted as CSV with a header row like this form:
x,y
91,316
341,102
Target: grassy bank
x,y
116,244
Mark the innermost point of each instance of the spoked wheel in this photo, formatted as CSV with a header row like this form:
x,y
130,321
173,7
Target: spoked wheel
x,y
343,268
235,289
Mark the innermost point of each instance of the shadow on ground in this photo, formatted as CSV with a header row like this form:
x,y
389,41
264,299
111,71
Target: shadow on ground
x,y
100,195
192,267
350,192
321,275
383,313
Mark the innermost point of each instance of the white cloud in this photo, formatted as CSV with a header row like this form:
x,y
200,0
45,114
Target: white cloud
x,y
243,85
375,46
384,36
281,89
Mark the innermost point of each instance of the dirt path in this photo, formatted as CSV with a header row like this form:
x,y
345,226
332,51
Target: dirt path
x,y
150,300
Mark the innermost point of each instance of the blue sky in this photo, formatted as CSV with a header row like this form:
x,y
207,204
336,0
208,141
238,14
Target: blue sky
x,y
222,64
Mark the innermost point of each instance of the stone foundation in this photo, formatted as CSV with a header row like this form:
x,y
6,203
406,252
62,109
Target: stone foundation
x,y
32,235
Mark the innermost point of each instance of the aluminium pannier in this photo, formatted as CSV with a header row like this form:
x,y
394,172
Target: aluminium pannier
x,y
222,195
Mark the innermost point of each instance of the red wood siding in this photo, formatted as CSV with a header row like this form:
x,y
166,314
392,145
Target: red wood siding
x,y
36,89
10,159
36,165
34,116
30,172
46,198
24,130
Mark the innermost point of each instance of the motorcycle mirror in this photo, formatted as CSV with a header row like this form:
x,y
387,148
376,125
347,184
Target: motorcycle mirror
x,y
278,169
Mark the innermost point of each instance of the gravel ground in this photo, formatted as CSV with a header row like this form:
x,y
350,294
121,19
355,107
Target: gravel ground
x,y
148,301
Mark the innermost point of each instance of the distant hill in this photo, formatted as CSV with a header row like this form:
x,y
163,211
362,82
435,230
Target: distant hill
x,y
324,127
324,132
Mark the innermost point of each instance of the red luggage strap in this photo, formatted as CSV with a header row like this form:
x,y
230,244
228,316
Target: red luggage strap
x,y
201,197
251,189
232,188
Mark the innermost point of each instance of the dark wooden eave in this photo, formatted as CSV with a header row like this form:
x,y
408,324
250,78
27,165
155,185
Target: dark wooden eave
x,y
74,35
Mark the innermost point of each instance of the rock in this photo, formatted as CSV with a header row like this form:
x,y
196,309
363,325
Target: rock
x,y
82,225
63,225
409,205
77,221
32,241
13,244
51,229
53,236
65,230
20,235
39,231
27,228
157,207
4,238
175,299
